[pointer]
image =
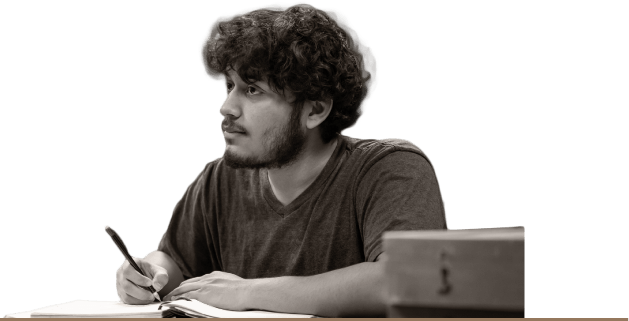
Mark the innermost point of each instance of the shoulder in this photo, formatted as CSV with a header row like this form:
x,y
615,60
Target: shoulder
x,y
379,146
390,151
211,169
217,174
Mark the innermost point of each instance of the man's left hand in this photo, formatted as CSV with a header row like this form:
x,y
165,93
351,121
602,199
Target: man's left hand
x,y
219,289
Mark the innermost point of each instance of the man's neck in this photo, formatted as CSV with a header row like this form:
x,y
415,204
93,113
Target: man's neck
x,y
290,181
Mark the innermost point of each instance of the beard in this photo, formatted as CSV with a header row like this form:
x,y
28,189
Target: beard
x,y
283,147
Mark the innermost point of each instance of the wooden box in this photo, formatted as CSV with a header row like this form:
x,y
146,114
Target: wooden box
x,y
459,273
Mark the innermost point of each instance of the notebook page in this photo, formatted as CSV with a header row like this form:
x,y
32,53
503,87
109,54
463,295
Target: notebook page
x,y
208,310
82,308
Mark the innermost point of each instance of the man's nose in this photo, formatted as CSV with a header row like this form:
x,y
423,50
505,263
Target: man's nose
x,y
232,105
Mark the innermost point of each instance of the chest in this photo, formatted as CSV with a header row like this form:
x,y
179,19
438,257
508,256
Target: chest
x,y
321,234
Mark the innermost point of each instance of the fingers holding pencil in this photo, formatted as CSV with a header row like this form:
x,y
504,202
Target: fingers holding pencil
x,y
137,275
132,286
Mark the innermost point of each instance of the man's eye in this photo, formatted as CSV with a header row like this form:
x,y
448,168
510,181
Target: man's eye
x,y
230,87
252,90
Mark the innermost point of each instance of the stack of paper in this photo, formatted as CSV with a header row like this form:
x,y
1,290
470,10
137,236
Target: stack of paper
x,y
196,309
108,309
97,309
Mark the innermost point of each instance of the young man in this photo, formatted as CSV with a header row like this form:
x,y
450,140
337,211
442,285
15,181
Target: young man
x,y
290,219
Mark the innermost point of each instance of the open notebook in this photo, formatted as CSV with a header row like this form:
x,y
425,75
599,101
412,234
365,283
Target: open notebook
x,y
179,308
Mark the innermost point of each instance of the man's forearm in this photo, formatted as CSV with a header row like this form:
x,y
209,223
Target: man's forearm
x,y
357,290
175,277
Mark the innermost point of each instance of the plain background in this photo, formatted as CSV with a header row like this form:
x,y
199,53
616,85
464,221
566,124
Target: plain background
x,y
107,116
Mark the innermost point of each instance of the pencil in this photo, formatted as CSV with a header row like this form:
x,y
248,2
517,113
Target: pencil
x,y
123,249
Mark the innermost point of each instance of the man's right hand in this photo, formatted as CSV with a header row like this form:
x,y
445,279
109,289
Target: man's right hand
x,y
128,279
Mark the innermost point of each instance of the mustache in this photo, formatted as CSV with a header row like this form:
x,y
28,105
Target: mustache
x,y
230,126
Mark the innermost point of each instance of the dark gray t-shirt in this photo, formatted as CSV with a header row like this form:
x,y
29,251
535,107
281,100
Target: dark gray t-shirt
x,y
229,219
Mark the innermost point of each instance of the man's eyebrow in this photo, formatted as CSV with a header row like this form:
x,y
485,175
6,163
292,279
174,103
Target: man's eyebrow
x,y
258,83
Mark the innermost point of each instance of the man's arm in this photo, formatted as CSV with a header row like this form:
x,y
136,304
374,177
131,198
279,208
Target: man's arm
x,y
175,277
357,290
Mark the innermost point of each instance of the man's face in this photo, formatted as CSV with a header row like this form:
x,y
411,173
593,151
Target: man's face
x,y
261,128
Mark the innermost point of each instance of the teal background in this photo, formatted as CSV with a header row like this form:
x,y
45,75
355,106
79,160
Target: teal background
x,y
106,116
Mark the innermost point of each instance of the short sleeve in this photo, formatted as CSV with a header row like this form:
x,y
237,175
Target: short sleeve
x,y
399,192
188,239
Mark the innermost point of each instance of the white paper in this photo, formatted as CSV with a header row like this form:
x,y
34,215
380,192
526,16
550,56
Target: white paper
x,y
110,309
211,311
82,308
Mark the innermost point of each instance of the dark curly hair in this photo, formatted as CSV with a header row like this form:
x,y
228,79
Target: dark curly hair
x,y
300,49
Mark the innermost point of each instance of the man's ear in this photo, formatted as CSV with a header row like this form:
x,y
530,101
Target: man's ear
x,y
317,111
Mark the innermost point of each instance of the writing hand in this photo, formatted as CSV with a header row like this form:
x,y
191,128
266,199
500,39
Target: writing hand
x,y
219,289
128,279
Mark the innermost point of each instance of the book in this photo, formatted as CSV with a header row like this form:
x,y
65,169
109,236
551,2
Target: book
x,y
455,273
178,308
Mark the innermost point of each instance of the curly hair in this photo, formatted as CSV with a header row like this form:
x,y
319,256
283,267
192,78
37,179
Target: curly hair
x,y
300,49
